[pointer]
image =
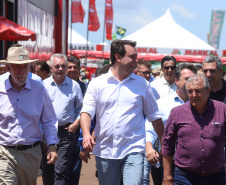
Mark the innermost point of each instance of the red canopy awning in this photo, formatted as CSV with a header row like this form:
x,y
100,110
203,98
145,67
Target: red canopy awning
x,y
11,31
150,57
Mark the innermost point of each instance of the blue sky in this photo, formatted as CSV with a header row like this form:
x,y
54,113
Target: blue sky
x,y
193,15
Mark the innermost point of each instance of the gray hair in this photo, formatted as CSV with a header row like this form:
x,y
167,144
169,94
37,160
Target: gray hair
x,y
197,77
58,55
211,58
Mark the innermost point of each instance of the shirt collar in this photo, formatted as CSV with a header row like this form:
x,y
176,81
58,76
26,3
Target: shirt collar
x,y
66,81
165,82
207,108
9,86
110,75
177,98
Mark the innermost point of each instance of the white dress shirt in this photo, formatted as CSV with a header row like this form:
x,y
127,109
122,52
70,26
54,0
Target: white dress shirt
x,y
120,107
162,88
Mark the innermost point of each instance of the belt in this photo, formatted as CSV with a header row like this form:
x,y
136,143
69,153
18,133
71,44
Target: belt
x,y
24,147
64,126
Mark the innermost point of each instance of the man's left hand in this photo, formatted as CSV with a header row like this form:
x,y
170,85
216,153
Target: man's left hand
x,y
73,127
51,155
151,155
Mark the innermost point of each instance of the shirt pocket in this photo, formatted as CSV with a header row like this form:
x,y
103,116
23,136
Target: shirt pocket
x,y
216,130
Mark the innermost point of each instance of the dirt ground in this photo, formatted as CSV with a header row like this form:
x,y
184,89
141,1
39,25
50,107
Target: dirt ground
x,y
87,174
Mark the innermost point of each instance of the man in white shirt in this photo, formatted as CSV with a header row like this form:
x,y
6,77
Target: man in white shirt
x,y
120,99
166,84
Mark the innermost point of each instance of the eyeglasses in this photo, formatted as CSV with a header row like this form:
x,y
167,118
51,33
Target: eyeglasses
x,y
58,66
210,70
171,67
145,73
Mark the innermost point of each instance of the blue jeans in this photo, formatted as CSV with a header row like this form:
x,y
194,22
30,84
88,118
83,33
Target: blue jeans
x,y
131,167
182,177
147,169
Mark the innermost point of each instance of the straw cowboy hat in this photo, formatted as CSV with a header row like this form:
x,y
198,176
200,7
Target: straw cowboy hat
x,y
17,54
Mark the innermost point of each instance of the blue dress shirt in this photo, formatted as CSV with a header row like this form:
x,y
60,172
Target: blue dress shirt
x,y
66,98
23,113
165,105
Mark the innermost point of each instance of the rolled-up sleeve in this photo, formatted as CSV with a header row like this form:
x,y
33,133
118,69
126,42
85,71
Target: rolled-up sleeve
x,y
151,135
150,105
89,102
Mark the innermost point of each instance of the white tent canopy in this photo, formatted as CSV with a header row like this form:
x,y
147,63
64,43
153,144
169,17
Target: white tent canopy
x,y
166,33
76,37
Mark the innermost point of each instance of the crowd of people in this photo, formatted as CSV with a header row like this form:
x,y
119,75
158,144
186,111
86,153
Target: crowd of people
x,y
135,120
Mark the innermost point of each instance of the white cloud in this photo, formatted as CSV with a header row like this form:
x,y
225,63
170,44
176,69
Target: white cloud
x,y
183,11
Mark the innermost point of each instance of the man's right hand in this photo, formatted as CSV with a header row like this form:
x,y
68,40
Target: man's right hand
x,y
84,155
88,142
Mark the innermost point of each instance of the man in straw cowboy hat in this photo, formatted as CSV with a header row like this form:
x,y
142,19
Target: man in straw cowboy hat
x,y
25,106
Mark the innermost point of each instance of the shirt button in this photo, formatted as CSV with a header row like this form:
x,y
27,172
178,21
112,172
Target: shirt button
x,y
203,172
201,139
202,150
202,161
202,128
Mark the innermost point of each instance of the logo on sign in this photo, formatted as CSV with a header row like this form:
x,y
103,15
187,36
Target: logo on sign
x,y
109,21
108,4
76,2
92,10
176,52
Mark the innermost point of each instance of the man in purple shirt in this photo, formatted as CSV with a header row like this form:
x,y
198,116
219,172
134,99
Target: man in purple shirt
x,y
197,130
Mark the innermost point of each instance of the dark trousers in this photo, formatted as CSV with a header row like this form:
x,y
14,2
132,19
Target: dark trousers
x,y
65,151
47,169
182,177
76,162
156,174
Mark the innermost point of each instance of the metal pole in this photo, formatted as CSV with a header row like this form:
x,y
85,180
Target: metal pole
x,y
71,30
104,31
87,36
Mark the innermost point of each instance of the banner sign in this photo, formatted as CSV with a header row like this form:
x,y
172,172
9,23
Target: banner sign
x,y
217,20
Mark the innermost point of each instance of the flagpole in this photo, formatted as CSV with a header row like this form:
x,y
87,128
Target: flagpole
x,y
87,35
104,32
71,30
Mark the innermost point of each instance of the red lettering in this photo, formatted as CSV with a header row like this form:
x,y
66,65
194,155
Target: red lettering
x,y
150,50
155,51
199,52
144,50
187,52
139,50
194,52
204,53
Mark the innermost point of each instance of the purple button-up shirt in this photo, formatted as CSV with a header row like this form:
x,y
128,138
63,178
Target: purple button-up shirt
x,y
199,138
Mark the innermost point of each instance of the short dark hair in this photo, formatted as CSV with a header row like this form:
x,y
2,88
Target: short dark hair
x,y
198,67
144,63
118,47
211,58
182,66
74,60
44,66
168,58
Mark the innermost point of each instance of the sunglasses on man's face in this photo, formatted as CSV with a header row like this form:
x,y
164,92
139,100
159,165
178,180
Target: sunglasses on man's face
x,y
171,67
